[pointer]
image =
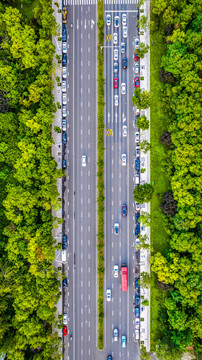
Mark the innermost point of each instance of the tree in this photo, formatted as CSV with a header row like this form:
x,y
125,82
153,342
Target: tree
x,y
143,193
142,50
142,99
142,23
166,77
145,302
168,205
57,129
145,218
145,280
145,145
143,243
143,123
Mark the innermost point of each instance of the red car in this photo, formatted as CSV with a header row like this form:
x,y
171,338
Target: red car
x,y
136,82
64,330
116,83
136,58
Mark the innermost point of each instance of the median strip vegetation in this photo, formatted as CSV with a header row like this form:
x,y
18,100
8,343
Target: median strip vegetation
x,y
100,174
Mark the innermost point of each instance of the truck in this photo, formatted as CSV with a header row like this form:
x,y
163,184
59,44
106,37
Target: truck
x,y
64,15
124,278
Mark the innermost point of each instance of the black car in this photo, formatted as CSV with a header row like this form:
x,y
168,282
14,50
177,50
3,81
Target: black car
x,y
124,210
137,282
124,63
137,299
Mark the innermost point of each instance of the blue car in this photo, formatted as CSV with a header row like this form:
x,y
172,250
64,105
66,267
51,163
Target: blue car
x,y
137,311
136,118
123,341
137,229
137,282
124,63
64,34
64,166
64,282
137,299
64,59
64,138
137,216
64,242
124,210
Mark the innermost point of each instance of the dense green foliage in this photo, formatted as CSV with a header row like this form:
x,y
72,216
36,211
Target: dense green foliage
x,y
100,175
143,193
29,285
181,24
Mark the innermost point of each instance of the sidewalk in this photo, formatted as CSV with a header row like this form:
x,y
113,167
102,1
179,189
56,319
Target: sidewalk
x,y
145,178
57,148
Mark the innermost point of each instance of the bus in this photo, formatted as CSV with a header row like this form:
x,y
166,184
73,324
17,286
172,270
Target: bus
x,y
124,277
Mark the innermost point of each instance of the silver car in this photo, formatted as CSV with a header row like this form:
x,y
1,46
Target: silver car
x,y
64,125
64,72
64,47
64,86
123,88
108,19
116,100
125,31
136,68
137,137
64,319
116,334
64,99
123,48
124,19
116,54
125,132
123,157
83,160
115,38
64,111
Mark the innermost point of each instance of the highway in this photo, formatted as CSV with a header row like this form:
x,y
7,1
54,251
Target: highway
x,y
80,300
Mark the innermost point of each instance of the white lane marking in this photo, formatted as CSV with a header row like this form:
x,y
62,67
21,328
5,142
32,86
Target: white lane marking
x,y
88,76
85,24
82,214
88,256
81,283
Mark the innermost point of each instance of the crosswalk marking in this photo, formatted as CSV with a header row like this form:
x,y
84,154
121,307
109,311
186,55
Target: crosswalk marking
x,y
107,2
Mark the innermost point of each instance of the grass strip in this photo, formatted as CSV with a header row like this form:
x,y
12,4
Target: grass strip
x,y
100,175
158,123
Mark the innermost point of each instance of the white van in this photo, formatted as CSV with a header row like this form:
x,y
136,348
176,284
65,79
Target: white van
x,y
64,255
137,179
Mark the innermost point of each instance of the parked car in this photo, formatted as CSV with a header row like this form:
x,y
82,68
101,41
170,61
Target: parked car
x,y
64,330
64,86
137,334
137,68
109,294
137,137
116,334
64,111
116,67
116,21
137,323
64,138
64,242
64,166
64,34
115,38
64,282
125,130
125,31
116,228
136,83
123,341
137,229
64,59
123,48
137,164
109,357
65,319
123,88
137,299
137,217
64,99
116,271
124,63
116,54
136,118
124,210
137,43
137,207
64,125
116,83
64,72
137,285
123,159
64,47
124,19
116,100
136,58
137,150
108,17
137,241
137,311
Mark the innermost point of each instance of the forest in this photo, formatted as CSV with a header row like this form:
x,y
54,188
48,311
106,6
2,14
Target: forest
x,y
179,269
29,289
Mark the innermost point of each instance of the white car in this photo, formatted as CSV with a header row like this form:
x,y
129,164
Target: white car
x,y
64,111
64,99
124,19
137,43
137,137
64,72
137,334
116,228
125,31
64,86
108,19
116,21
137,241
116,271
137,68
137,150
64,319
83,160
125,130
123,159
137,323
115,38
116,100
116,334
123,48
64,126
64,47
123,88
109,294
116,54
